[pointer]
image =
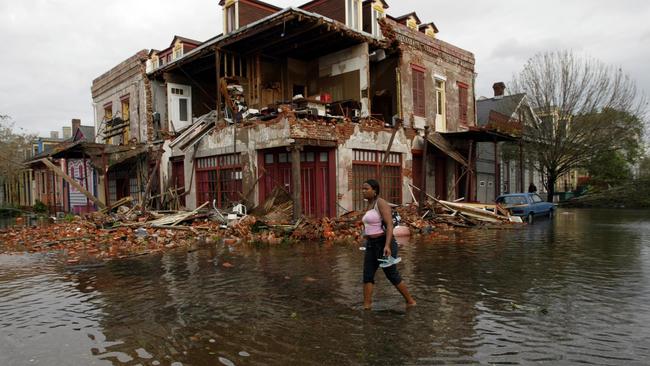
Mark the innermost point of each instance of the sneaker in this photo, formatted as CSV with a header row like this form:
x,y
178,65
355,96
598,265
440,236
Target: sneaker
x,y
389,261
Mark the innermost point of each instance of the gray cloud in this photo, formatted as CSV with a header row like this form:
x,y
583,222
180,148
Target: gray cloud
x,y
53,49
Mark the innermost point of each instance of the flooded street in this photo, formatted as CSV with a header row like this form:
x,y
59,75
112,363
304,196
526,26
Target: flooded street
x,y
575,290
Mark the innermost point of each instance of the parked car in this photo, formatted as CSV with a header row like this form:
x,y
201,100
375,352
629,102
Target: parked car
x,y
526,205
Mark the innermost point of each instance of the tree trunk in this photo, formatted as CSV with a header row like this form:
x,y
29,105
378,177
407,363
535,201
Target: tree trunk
x,y
550,186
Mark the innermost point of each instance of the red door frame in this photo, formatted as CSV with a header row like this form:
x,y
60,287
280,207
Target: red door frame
x,y
318,178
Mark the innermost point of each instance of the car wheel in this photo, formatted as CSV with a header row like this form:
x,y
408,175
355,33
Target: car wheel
x,y
551,213
530,218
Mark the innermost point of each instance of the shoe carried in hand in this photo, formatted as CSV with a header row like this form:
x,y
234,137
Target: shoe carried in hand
x,y
389,261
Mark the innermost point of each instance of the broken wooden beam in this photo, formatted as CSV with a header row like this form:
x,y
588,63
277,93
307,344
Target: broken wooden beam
x,y
72,182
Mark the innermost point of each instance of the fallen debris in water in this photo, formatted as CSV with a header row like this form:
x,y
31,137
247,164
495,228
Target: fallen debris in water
x,y
125,232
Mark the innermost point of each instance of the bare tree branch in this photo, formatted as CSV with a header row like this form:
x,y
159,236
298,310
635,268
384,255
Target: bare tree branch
x,y
585,108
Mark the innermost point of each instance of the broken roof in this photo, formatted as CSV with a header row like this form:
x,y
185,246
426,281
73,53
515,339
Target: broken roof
x,y
506,105
86,133
319,35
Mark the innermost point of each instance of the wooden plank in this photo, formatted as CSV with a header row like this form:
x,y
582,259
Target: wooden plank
x,y
72,182
390,145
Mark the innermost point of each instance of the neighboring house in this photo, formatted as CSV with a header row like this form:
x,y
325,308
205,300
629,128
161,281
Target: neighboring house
x,y
341,73
509,172
308,99
120,101
80,169
46,187
123,102
49,187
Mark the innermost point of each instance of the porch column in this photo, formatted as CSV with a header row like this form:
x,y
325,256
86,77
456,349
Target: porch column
x,y
102,187
424,170
497,175
295,181
521,168
217,55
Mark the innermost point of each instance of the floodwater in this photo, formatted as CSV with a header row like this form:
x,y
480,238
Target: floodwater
x,y
575,290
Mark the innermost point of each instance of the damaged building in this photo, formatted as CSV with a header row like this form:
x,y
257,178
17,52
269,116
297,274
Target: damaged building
x,y
310,100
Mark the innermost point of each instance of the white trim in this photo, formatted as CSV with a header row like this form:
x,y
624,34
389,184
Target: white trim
x,y
440,77
359,25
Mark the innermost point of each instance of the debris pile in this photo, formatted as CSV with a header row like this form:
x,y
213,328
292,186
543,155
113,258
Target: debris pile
x,y
125,232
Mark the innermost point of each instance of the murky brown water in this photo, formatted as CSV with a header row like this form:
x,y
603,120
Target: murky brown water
x,y
572,291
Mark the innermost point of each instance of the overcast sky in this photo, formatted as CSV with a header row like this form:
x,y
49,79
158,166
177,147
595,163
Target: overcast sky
x,y
53,49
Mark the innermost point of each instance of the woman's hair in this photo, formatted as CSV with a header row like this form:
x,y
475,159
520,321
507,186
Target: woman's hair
x,y
374,185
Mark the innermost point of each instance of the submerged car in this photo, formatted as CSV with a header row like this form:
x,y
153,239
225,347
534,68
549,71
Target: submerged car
x,y
526,205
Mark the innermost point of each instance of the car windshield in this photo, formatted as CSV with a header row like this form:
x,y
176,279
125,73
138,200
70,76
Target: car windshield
x,y
513,200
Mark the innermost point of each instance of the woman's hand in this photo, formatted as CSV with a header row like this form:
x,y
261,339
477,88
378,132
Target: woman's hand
x,y
387,251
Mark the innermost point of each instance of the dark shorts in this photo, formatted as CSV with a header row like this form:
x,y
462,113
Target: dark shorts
x,y
374,252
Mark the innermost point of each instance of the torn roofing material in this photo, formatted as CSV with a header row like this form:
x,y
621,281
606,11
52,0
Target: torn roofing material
x,y
261,26
445,146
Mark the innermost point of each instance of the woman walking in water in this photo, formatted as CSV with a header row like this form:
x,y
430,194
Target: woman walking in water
x,y
380,243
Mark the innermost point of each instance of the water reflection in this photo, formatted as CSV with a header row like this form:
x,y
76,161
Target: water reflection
x,y
572,290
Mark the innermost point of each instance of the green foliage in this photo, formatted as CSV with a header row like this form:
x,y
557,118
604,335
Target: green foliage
x,y
69,218
631,194
644,167
40,207
609,168
13,147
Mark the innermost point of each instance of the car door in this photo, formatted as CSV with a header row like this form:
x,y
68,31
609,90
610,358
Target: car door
x,y
539,206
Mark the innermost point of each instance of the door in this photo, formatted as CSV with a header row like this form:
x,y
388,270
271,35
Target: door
x,y
315,179
178,178
179,102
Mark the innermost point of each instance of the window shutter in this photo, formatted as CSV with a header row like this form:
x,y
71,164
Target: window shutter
x,y
418,91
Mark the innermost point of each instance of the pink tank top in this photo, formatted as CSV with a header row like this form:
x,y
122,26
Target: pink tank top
x,y
372,222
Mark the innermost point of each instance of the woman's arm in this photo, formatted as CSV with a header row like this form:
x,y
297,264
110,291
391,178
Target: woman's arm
x,y
387,217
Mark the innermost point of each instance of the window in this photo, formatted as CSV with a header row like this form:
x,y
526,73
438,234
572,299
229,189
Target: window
x,y
536,198
440,101
367,165
462,104
376,13
512,200
178,50
231,16
182,109
126,116
412,23
155,61
108,112
418,91
353,19
219,178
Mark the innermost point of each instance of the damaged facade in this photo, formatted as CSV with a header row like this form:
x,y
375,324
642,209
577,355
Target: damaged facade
x,y
125,125
315,100
311,100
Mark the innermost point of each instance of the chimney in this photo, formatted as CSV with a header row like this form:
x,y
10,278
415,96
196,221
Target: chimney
x,y
499,88
76,123
67,132
54,134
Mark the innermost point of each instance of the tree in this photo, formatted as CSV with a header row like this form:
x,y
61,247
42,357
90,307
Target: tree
x,y
608,169
585,109
644,167
12,149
